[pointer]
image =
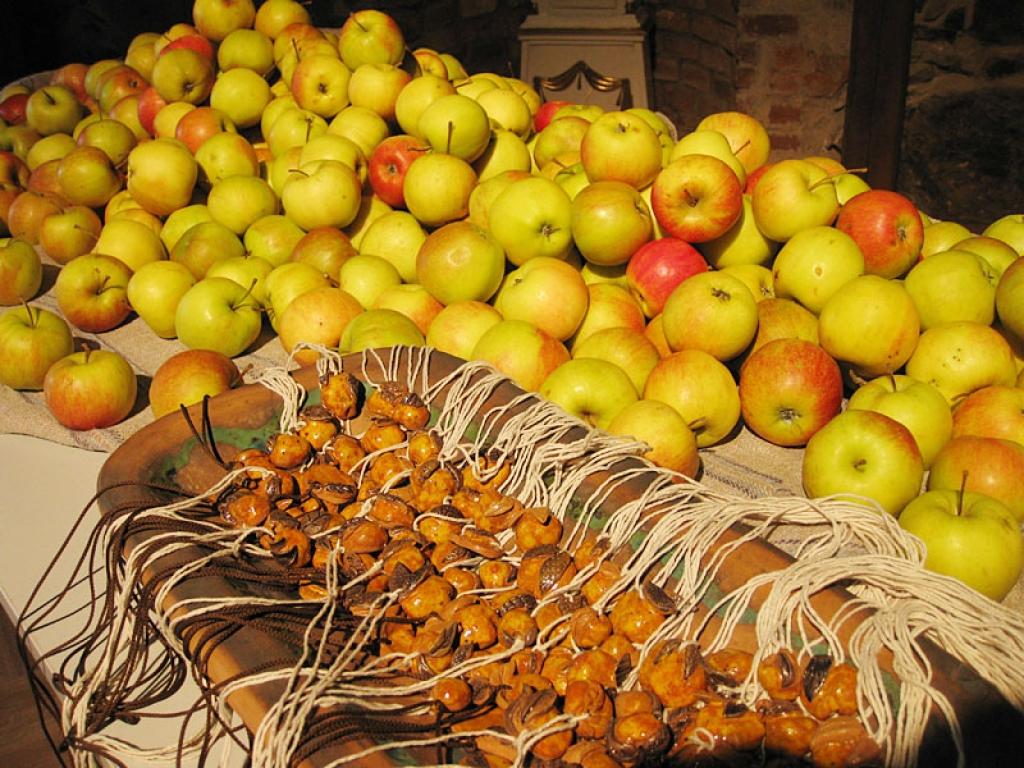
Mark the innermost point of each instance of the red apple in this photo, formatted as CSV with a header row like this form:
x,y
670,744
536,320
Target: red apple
x,y
91,389
388,163
12,109
993,411
789,389
195,42
186,377
696,198
545,112
150,102
986,465
657,267
199,124
888,229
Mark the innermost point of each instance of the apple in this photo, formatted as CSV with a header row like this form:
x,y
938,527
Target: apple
x,y
1010,298
273,16
91,292
31,340
871,324
250,49
248,270
783,319
13,170
396,236
149,106
561,136
53,109
72,75
166,120
21,272
161,175
546,111
204,244
620,146
996,254
196,126
988,465
793,195
671,442
941,236
42,152
701,389
917,405
437,187
847,186
226,154
183,75
458,327
814,264
657,267
154,291
742,243
625,347
863,454
272,238
388,164
747,136
187,377
239,201
69,233
969,536
119,83
696,198
950,286
532,218
218,314
325,248
460,261
508,111
713,312
887,227
591,389
520,351
293,128
991,411
285,283
379,328
320,84
505,152
456,125
181,221
216,19
371,208
113,137
1009,229
241,94
418,94
959,358
370,36
609,222
318,316
26,213
130,242
92,389
789,389
611,305
365,276
411,300
429,62
361,125
12,108
323,193
707,141
548,293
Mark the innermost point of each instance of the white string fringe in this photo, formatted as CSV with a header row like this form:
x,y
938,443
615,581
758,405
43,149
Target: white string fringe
x,y
690,534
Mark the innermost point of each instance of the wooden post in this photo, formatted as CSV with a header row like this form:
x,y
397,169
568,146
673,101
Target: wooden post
x,y
876,92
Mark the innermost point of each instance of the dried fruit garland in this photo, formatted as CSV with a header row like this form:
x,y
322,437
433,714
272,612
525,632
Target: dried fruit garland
x,y
442,587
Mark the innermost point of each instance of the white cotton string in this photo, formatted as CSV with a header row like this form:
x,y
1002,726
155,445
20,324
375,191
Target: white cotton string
x,y
281,383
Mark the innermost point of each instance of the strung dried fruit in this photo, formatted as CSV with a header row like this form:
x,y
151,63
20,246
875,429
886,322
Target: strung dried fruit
x,y
244,509
345,452
288,451
638,738
588,698
422,446
340,395
382,435
828,688
452,693
787,730
318,426
842,742
778,675
635,617
428,597
589,628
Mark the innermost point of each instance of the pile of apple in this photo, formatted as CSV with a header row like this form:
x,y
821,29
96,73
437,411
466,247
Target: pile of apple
x,y
250,168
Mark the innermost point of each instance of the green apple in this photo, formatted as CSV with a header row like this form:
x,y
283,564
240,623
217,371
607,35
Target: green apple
x,y
591,389
181,221
216,19
791,196
241,94
707,141
113,137
941,236
88,177
326,249
970,537
324,193
459,262
959,358
239,201
49,148
205,243
671,442
133,243
1010,298
610,305
287,282
21,272
411,300
53,109
872,324
701,390
559,136
161,175
507,110
92,389
320,84
485,192
458,327
996,254
758,279
370,36
186,377
31,340
457,125
273,238
1009,229
293,127
951,286
713,312
917,405
69,233
365,276
331,146
371,208
548,293
91,292
621,146
988,465
626,348
361,125
218,314
531,218
742,243
246,49
814,264
521,351
379,328
248,270
183,74
610,220
863,455
396,236
506,152
154,291
437,187
418,94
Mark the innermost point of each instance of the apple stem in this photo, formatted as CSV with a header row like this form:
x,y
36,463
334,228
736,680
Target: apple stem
x,y
741,147
892,380
451,132
960,494
248,292
33,317
356,21
93,235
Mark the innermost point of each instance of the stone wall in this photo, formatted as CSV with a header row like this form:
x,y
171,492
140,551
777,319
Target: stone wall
x,y
963,137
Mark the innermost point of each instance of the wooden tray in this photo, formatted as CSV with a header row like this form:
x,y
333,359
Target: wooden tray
x,y
166,452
